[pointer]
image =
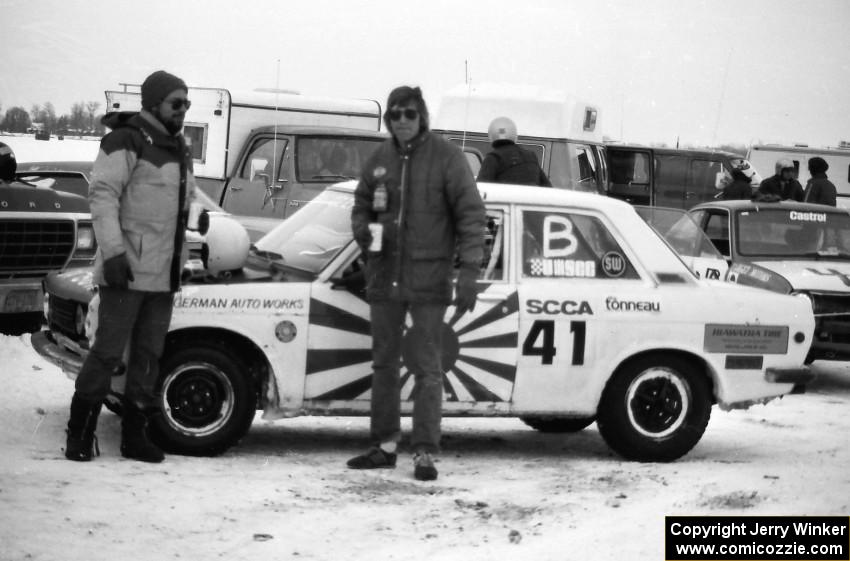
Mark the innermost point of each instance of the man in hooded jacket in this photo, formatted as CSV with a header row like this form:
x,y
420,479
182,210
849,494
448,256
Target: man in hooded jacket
x,y
142,185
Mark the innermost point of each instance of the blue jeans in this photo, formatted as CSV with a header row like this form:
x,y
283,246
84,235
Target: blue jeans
x,y
424,363
142,318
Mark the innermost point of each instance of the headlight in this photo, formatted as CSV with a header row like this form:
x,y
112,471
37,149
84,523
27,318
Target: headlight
x,y
85,238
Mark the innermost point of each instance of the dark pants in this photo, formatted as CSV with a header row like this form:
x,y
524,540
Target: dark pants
x,y
142,318
424,352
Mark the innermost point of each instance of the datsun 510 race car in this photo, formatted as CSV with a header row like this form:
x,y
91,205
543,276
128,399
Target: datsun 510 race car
x,y
584,313
790,248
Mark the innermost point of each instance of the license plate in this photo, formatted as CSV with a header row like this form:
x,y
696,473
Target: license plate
x,y
22,301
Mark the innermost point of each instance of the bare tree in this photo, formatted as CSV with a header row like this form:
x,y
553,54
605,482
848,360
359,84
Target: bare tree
x,y
92,107
78,116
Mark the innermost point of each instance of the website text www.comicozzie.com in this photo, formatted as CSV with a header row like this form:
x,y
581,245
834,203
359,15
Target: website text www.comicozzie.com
x,y
807,538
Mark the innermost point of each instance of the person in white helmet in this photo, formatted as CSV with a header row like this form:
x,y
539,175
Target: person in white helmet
x,y
783,185
509,162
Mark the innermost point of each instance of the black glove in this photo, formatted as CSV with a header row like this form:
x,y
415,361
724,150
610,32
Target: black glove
x,y
117,272
467,290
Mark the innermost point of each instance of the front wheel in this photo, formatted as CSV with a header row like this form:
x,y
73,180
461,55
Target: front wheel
x,y
655,409
208,402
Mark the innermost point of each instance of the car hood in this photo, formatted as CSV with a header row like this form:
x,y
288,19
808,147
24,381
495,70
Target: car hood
x,y
827,274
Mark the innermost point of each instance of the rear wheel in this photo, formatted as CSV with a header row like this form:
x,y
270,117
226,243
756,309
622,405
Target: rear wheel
x,y
558,424
655,408
208,402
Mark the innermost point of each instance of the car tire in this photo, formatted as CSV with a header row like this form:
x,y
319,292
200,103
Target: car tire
x,y
655,408
558,424
208,402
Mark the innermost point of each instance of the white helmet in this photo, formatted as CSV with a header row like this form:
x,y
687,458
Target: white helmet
x,y
784,163
226,244
502,128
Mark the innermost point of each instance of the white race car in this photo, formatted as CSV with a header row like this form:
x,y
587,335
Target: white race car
x,y
584,313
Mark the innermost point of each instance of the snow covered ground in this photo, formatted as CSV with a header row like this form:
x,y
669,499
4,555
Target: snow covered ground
x,y
504,491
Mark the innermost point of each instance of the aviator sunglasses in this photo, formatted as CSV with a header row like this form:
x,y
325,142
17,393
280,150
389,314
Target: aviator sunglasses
x,y
409,114
176,104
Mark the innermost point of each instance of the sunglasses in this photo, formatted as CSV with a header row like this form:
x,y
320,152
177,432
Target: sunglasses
x,y
176,104
409,114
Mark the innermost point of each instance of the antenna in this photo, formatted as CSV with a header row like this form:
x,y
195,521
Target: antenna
x,y
468,82
720,101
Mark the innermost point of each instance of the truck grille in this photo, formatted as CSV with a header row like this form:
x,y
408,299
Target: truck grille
x,y
34,248
63,317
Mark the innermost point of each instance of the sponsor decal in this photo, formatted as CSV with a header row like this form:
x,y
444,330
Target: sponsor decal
x,y
748,270
807,216
746,339
562,268
613,304
712,273
239,304
613,264
556,307
830,273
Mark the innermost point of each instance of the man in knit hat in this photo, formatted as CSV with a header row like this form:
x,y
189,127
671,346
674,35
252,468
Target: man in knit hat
x,y
819,189
141,188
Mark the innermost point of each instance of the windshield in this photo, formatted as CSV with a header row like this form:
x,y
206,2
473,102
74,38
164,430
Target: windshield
x,y
309,239
793,233
679,230
327,158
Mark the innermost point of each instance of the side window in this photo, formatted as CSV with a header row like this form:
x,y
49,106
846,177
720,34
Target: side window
x,y
493,264
704,178
670,176
264,159
584,171
717,230
474,159
196,137
570,245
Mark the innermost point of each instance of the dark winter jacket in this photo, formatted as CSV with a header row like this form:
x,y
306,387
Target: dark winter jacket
x,y
142,185
509,163
784,190
433,211
738,189
820,190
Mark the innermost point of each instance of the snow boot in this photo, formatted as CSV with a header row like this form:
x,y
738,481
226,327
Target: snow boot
x,y
81,442
135,443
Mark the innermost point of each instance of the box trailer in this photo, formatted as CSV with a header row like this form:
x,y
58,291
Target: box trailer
x,y
764,158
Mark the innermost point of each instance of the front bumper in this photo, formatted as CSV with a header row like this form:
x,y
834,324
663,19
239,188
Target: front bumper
x,y
44,344
800,375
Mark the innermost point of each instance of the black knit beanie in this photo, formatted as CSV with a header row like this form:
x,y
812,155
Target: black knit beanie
x,y
157,86
818,165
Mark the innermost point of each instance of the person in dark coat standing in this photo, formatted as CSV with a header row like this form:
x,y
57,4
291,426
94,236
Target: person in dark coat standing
x,y
416,210
739,188
508,162
819,189
783,185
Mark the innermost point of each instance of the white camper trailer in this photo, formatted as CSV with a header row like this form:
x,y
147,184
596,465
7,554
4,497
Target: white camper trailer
x,y
220,121
562,131
764,158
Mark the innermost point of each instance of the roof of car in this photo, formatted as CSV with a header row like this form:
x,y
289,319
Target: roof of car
x,y
78,166
755,205
322,131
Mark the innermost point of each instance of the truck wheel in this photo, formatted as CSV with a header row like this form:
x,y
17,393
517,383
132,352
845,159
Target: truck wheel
x,y
208,402
654,409
557,424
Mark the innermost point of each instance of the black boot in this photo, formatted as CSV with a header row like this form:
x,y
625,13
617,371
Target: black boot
x,y
81,443
134,436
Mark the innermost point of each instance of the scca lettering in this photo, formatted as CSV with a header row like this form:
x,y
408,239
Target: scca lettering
x,y
554,307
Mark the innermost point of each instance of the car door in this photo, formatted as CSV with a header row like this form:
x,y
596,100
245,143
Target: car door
x,y
571,267
261,186
716,225
479,348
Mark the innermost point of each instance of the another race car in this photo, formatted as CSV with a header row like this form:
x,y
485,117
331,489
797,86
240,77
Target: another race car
x,y
790,248
584,313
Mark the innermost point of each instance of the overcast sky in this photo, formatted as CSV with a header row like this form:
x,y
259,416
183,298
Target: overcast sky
x,y
707,72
